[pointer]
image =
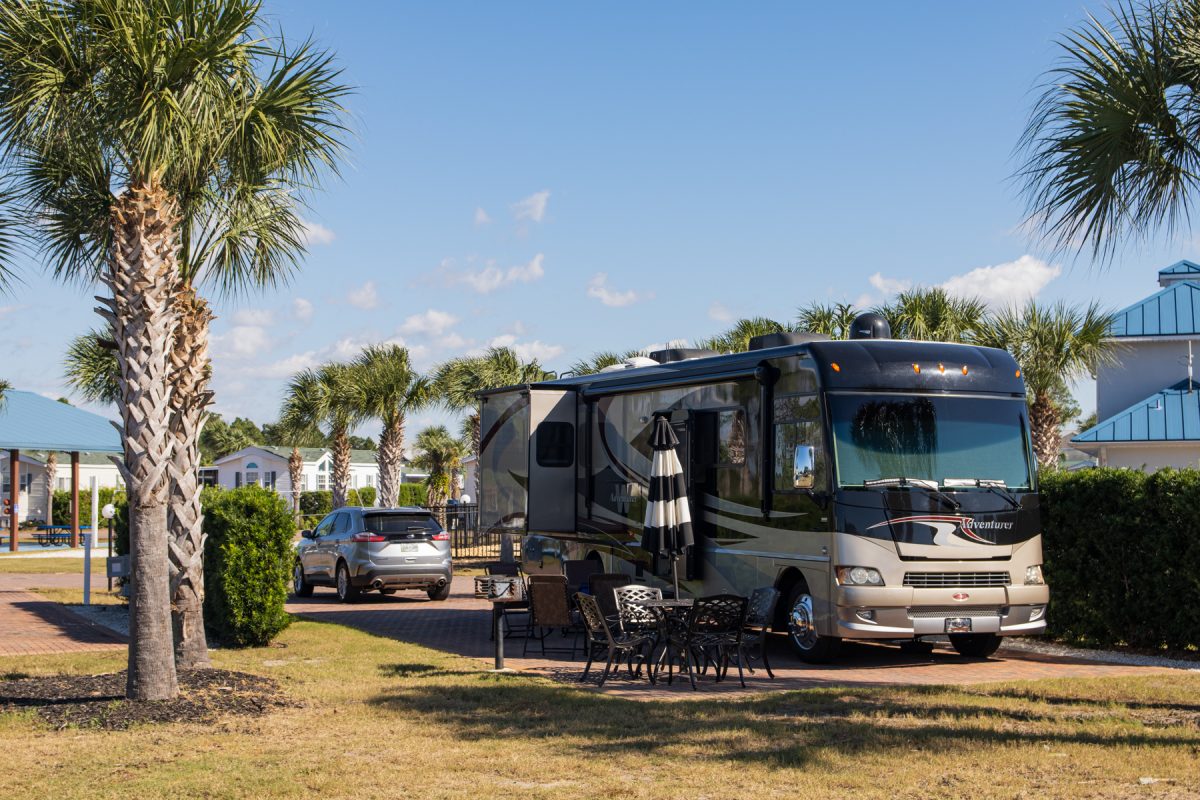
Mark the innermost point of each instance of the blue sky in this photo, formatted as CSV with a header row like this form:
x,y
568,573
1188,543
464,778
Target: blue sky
x,y
568,178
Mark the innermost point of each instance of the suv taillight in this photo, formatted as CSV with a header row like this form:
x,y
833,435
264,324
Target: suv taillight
x,y
440,536
367,537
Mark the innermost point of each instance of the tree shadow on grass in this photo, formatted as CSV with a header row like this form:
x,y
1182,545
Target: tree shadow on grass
x,y
781,729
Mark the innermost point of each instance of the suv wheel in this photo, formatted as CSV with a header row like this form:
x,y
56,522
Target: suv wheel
x,y
439,592
346,591
300,585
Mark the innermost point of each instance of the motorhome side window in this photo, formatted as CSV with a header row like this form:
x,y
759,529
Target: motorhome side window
x,y
731,437
798,424
555,444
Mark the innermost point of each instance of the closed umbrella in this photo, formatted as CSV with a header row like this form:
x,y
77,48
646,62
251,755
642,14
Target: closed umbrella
x,y
667,529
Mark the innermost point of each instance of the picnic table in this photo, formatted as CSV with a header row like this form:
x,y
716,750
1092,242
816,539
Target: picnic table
x,y
47,535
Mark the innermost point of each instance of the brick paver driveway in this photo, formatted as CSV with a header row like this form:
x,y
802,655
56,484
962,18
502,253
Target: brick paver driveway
x,y
462,623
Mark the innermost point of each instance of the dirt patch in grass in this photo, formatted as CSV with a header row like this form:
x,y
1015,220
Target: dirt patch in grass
x,y
98,701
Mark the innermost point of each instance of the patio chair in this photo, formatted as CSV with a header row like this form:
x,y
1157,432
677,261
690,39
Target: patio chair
x,y
760,612
714,630
507,610
579,573
634,617
550,608
602,639
602,586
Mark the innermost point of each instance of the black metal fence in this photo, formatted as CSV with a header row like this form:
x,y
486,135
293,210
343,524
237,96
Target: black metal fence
x,y
467,542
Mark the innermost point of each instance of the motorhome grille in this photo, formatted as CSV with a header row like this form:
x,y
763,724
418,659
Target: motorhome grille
x,y
955,580
954,611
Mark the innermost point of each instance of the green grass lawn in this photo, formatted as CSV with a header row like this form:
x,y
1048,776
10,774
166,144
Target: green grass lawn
x,y
50,565
385,719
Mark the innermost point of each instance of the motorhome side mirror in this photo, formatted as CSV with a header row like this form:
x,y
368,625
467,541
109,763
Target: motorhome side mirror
x,y
306,534
803,464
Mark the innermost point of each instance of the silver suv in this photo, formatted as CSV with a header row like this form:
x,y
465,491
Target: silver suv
x,y
360,549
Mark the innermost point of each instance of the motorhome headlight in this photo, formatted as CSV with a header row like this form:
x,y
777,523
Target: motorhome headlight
x,y
1033,576
859,576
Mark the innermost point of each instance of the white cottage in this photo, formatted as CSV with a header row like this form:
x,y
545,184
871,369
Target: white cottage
x,y
1148,404
267,466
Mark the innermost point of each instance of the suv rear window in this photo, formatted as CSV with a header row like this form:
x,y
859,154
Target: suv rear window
x,y
400,523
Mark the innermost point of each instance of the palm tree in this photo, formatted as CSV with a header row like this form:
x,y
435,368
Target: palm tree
x,y
1053,345
440,455
91,368
296,475
1111,148
832,320
327,399
390,390
737,339
458,381
153,144
933,315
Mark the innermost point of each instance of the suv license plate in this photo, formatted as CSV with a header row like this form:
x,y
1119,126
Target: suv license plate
x,y
412,548
958,625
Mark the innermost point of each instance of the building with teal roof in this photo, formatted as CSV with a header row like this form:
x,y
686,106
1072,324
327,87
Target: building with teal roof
x,y
1147,404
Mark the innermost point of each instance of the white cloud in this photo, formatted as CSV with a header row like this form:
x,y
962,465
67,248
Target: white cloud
x,y
428,323
254,316
533,207
302,309
364,297
481,216
598,288
316,234
719,313
1010,283
526,351
888,286
242,341
491,277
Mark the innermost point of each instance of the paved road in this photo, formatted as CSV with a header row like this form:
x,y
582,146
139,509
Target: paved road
x,y
461,625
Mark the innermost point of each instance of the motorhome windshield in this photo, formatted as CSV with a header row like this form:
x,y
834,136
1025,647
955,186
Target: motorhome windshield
x,y
931,438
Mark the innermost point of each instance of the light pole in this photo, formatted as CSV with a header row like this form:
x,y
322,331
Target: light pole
x,y
108,512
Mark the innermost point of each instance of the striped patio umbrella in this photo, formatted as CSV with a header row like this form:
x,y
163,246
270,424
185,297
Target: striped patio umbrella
x,y
667,528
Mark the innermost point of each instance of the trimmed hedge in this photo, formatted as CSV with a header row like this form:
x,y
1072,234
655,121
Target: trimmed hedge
x,y
62,503
1122,556
248,559
316,503
366,496
411,494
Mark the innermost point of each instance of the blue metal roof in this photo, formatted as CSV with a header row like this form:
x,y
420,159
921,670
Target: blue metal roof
x,y
1173,311
29,421
1172,415
1183,267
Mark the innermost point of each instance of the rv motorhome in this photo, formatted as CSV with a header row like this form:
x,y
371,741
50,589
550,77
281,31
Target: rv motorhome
x,y
887,488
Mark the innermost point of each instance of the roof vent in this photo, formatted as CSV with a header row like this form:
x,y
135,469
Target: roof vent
x,y
631,363
672,354
870,326
784,339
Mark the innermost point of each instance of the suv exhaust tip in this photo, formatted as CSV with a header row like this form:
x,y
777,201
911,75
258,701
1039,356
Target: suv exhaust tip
x,y
377,584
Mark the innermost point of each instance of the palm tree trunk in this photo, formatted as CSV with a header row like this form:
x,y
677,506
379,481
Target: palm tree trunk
x,y
475,439
189,397
389,456
141,275
1043,427
341,467
296,475
51,474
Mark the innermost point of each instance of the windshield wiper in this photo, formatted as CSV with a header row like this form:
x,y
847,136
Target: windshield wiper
x,y
994,485
918,483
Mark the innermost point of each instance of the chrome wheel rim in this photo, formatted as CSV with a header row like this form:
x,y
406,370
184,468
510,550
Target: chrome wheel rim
x,y
297,578
802,624
343,580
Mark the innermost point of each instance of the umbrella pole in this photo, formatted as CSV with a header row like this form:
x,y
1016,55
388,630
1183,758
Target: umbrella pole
x,y
675,572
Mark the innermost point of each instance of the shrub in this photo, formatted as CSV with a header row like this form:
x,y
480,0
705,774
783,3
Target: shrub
x,y
1122,556
352,498
411,494
62,503
247,564
367,496
317,503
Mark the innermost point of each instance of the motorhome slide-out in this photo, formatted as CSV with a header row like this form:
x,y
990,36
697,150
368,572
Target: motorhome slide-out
x,y
886,487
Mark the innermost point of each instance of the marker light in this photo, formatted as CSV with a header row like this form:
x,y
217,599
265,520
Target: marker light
x,y
964,369
835,366
942,368
1018,373
917,368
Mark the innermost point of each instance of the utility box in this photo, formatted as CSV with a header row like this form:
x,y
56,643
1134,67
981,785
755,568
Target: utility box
x,y
118,566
